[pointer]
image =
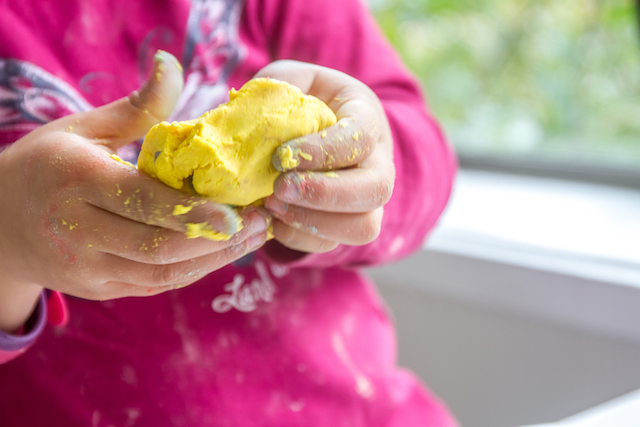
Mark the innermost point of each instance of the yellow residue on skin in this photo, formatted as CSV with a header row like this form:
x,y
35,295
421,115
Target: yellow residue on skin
x,y
126,202
226,153
202,229
70,128
64,222
323,134
355,136
119,191
343,124
157,239
330,160
181,210
305,156
287,161
331,175
118,159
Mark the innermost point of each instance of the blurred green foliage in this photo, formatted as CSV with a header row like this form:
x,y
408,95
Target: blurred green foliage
x,y
551,80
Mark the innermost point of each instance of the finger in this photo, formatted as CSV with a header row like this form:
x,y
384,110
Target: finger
x,y
299,240
133,194
138,242
323,83
361,189
130,118
153,275
347,143
112,290
361,118
347,228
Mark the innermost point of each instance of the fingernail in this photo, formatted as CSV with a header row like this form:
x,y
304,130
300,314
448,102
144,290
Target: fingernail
x,y
164,56
256,241
290,192
276,206
260,220
285,158
229,222
233,222
295,187
160,56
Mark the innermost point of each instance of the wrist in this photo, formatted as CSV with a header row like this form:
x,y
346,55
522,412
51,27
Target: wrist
x,y
17,302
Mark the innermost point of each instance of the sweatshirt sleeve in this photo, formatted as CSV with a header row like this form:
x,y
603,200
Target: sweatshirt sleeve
x,y
51,308
341,34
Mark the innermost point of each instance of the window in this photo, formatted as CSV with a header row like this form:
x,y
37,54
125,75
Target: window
x,y
552,83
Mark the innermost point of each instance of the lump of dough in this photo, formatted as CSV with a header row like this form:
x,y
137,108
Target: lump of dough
x,y
226,153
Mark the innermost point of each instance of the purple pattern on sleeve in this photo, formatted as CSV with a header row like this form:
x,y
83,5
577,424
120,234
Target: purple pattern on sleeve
x,y
211,52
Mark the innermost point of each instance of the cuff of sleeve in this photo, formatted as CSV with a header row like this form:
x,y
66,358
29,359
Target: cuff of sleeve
x,y
32,329
57,311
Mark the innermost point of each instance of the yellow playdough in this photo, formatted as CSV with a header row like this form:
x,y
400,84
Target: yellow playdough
x,y
226,153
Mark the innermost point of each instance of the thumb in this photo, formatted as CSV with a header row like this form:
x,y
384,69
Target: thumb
x,y
130,118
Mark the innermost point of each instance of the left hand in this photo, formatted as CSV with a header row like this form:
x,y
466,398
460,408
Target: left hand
x,y
337,195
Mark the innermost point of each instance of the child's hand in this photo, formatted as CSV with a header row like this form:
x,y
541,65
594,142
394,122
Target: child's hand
x,y
316,211
75,220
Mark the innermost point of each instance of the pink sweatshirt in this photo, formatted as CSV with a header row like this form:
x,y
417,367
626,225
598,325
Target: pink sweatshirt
x,y
257,343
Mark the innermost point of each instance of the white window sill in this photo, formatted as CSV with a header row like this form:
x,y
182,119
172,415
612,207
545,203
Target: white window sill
x,y
582,230
555,250
623,411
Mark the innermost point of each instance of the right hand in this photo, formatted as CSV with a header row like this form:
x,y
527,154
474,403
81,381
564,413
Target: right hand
x,y
77,221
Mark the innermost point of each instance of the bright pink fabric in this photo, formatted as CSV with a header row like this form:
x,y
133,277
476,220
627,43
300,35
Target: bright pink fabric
x,y
305,344
57,310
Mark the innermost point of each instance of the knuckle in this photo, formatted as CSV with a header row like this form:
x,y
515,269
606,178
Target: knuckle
x,y
163,253
144,207
229,255
164,275
298,218
241,236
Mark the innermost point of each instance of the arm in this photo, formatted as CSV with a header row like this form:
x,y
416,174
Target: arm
x,y
77,221
342,35
50,308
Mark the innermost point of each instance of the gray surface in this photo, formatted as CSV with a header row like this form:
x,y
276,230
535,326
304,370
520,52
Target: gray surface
x,y
498,369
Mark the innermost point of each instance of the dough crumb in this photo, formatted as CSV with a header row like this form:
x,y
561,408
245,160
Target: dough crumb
x,y
305,156
181,210
118,159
